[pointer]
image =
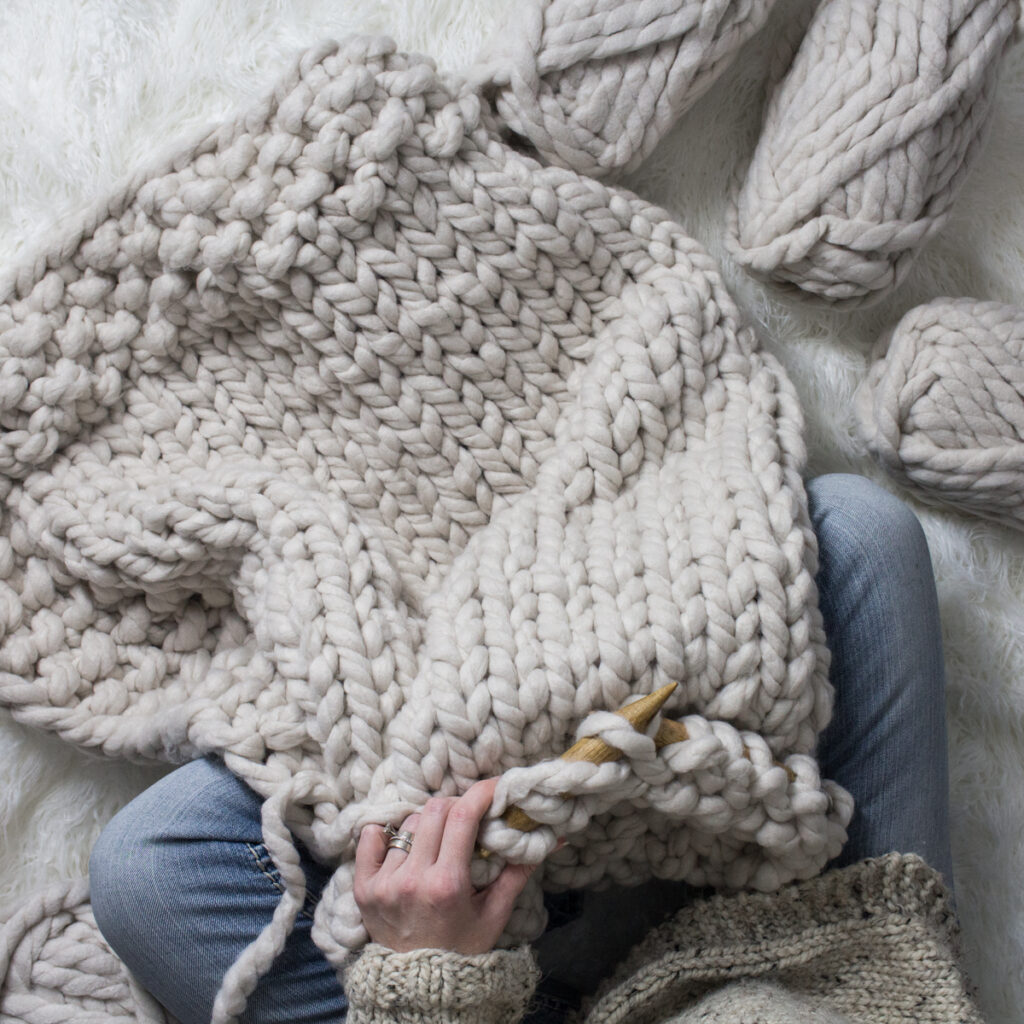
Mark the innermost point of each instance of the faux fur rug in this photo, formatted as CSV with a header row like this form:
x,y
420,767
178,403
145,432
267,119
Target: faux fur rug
x,y
87,91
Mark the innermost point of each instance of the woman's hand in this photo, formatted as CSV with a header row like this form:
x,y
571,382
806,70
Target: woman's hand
x,y
424,899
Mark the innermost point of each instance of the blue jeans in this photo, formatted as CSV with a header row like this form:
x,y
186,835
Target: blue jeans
x,y
182,883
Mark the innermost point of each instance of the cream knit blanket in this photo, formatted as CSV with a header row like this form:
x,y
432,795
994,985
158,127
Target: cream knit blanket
x,y
360,449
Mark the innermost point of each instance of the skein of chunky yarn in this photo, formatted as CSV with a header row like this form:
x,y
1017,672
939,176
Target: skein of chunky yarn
x,y
594,85
942,408
867,141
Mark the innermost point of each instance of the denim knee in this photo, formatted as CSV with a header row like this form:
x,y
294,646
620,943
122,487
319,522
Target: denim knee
x,y
886,743
118,892
865,528
182,883
875,570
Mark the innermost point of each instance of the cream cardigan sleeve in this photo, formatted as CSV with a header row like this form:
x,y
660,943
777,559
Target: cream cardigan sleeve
x,y
431,985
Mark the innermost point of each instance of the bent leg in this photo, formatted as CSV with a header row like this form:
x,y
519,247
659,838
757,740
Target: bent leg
x,y
886,743
181,883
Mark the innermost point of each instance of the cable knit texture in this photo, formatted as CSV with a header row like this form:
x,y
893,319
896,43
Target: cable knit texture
x,y
594,84
942,407
867,141
874,943
356,447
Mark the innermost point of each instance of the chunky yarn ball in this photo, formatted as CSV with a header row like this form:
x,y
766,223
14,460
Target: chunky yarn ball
x,y
361,450
867,141
594,85
57,968
942,409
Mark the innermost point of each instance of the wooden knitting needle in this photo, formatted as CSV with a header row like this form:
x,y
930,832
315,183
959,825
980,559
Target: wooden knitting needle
x,y
639,714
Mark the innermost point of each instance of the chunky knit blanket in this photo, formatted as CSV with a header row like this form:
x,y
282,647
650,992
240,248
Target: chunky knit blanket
x,y
355,446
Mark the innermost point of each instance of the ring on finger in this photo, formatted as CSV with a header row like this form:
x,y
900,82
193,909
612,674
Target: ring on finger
x,y
398,840
402,841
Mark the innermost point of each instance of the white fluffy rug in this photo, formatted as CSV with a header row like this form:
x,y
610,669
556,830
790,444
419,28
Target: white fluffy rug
x,y
87,90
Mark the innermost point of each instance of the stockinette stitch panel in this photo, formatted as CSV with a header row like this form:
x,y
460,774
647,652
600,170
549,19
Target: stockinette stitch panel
x,y
867,141
361,450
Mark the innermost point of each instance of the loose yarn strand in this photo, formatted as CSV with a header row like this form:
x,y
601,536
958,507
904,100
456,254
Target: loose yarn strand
x,y
256,959
57,968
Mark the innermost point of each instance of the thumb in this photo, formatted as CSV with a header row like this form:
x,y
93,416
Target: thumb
x,y
501,894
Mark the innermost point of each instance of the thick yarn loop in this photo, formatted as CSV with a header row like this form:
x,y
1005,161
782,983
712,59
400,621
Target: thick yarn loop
x,y
867,141
594,85
359,449
942,407
56,966
701,783
256,959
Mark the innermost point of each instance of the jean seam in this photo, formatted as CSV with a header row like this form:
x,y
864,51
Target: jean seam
x,y
261,855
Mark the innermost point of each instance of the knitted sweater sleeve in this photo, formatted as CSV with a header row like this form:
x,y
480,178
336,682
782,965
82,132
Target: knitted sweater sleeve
x,y
430,985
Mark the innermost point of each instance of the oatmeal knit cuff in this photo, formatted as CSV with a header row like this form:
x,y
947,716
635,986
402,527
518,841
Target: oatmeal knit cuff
x,y
435,984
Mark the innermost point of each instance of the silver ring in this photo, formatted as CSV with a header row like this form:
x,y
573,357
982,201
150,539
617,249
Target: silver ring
x,y
398,840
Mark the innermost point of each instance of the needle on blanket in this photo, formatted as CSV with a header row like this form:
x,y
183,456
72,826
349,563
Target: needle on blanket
x,y
590,748
639,714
